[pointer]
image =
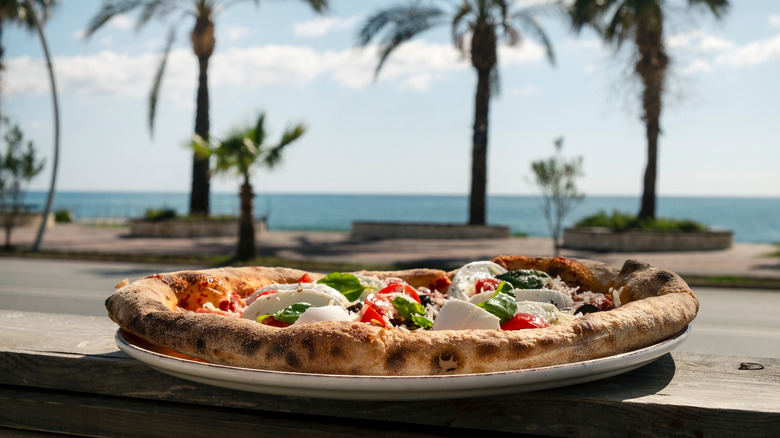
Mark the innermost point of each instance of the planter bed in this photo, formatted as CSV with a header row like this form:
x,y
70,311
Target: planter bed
x,y
188,228
607,240
411,230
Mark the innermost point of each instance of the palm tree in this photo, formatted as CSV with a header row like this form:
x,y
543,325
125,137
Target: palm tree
x,y
642,21
241,152
203,43
26,13
485,22
19,12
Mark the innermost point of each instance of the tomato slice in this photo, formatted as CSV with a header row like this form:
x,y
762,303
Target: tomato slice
x,y
306,278
401,288
523,321
485,285
371,316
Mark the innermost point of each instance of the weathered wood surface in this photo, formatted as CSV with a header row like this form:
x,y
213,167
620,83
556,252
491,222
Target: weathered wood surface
x,y
64,374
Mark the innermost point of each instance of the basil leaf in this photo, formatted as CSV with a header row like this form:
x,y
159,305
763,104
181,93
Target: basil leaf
x,y
407,308
502,305
413,312
347,284
505,288
525,278
422,321
292,312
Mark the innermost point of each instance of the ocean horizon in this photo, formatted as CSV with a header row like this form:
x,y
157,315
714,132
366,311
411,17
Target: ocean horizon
x,y
752,219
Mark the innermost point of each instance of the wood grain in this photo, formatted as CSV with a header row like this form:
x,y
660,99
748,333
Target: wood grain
x,y
55,369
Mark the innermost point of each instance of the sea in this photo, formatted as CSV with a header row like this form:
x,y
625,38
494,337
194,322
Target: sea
x,y
752,219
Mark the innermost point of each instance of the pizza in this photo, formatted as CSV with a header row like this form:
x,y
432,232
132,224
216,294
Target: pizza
x,y
509,313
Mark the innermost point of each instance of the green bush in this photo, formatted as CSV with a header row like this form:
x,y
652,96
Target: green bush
x,y
619,221
63,216
160,214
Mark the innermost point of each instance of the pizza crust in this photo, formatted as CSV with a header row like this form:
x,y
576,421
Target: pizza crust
x,y
657,304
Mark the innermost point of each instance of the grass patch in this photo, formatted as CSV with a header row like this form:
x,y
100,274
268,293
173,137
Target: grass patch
x,y
618,221
733,282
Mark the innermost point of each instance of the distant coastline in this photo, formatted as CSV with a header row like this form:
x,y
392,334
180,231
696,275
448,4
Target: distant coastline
x,y
753,219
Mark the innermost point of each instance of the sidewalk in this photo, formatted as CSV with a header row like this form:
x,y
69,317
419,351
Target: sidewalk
x,y
742,260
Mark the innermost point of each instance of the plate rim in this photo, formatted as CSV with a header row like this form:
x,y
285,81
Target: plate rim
x,y
372,387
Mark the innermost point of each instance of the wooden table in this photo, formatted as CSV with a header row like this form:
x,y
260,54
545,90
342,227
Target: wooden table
x,y
64,374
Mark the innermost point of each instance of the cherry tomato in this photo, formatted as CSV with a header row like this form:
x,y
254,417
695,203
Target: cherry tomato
x,y
401,288
371,316
488,284
441,283
273,322
524,321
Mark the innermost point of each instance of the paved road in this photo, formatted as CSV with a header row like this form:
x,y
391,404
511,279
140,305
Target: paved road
x,y
736,322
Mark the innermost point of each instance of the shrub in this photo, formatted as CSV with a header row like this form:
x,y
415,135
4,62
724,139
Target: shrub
x,y
619,221
63,216
160,214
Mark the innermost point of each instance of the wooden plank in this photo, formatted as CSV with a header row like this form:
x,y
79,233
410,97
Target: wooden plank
x,y
680,394
89,415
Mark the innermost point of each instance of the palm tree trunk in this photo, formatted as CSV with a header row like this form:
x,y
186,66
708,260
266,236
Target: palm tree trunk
x,y
56,113
199,193
477,202
651,68
246,231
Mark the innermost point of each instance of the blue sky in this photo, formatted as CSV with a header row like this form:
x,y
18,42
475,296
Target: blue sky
x,y
408,132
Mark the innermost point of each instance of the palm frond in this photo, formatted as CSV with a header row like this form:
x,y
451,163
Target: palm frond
x,y
258,133
535,30
461,27
273,156
109,10
154,94
154,9
718,7
404,23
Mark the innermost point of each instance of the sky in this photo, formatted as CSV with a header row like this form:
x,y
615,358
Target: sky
x,y
408,131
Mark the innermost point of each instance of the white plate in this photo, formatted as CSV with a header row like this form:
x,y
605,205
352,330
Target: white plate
x,y
395,387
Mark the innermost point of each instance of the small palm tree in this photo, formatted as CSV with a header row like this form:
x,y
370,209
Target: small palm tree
x,y
484,22
241,152
640,21
203,43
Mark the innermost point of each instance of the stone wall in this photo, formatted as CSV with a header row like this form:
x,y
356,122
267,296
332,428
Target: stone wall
x,y
401,230
606,240
188,228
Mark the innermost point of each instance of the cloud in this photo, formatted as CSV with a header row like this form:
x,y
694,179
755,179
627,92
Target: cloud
x,y
751,54
698,41
774,20
697,66
121,22
416,65
324,25
235,33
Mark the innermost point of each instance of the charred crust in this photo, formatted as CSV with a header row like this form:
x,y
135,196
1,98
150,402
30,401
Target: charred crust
x,y
631,266
446,362
292,359
275,351
487,349
200,344
308,345
336,352
250,346
664,276
397,358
